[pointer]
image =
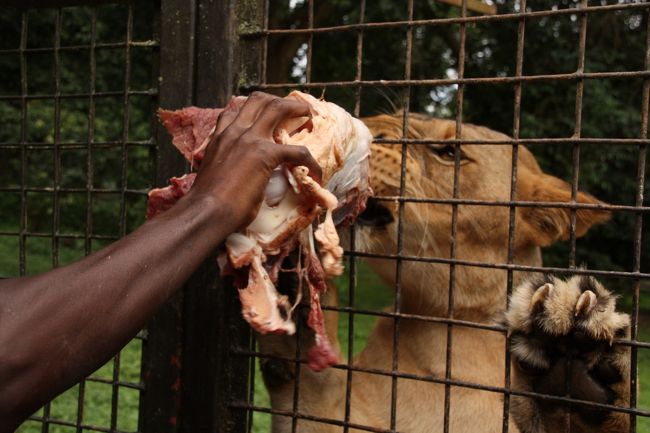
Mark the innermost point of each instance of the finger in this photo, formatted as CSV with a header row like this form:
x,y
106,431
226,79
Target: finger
x,y
230,112
275,112
226,118
299,155
252,108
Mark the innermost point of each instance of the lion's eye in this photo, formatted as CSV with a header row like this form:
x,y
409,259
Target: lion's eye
x,y
379,136
447,153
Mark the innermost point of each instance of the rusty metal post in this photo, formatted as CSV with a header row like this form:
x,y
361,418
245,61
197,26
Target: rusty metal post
x,y
189,374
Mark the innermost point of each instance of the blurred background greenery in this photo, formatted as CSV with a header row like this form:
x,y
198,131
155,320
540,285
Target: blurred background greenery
x,y
616,41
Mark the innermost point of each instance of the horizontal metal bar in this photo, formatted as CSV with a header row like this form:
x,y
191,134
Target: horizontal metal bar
x,y
456,322
83,426
47,189
77,145
307,417
32,4
446,21
504,266
507,203
131,385
512,141
454,382
61,236
451,81
148,92
108,45
418,317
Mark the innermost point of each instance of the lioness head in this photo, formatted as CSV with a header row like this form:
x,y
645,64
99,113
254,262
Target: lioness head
x,y
482,231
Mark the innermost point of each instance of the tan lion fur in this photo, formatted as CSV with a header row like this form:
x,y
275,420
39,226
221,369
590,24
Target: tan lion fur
x,y
479,293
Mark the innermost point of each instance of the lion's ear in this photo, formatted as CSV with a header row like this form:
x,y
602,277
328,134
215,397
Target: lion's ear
x,y
544,225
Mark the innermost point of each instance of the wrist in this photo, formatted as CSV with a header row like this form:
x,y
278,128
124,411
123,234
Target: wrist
x,y
216,216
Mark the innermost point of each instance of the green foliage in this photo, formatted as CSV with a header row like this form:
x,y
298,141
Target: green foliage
x,y
107,122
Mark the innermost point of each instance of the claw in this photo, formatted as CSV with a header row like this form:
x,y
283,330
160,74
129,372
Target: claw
x,y
586,302
540,295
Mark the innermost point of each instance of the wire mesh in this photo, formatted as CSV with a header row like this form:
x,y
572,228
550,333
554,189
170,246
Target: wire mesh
x,y
299,26
76,167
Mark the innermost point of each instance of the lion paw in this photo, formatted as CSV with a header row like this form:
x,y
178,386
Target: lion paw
x,y
557,326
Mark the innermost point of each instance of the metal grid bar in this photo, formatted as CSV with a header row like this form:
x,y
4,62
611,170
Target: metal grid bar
x,y
516,125
574,182
45,426
352,280
460,93
406,97
434,379
450,21
450,81
79,95
525,141
72,145
23,139
73,48
89,177
638,230
504,266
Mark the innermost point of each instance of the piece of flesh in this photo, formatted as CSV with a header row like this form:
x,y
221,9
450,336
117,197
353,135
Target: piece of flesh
x,y
293,203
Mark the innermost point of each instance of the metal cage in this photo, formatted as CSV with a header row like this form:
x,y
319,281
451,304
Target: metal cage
x,y
195,363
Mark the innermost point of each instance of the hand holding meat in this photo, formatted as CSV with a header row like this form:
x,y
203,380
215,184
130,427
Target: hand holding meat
x,y
241,155
332,189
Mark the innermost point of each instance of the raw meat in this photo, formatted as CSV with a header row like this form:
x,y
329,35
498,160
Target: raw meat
x,y
293,202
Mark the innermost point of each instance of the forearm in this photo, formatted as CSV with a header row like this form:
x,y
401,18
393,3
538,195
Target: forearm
x,y
79,315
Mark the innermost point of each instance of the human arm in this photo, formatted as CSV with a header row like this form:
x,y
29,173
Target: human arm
x,y
58,327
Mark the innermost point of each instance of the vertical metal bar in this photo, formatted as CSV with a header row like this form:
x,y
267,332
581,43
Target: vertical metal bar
x,y
521,31
352,282
263,79
574,183
265,43
310,39
23,142
251,386
89,177
454,216
580,84
91,132
400,220
56,162
297,354
124,176
56,154
296,382
359,65
638,228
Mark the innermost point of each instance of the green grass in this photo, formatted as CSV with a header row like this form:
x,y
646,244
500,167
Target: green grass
x,y
370,294
97,397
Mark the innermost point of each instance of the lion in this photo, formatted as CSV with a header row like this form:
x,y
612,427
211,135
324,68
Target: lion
x,y
550,320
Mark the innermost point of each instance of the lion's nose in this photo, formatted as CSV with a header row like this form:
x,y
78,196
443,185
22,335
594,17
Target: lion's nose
x,y
375,215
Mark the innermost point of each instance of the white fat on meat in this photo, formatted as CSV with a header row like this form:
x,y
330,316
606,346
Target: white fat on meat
x,y
293,201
